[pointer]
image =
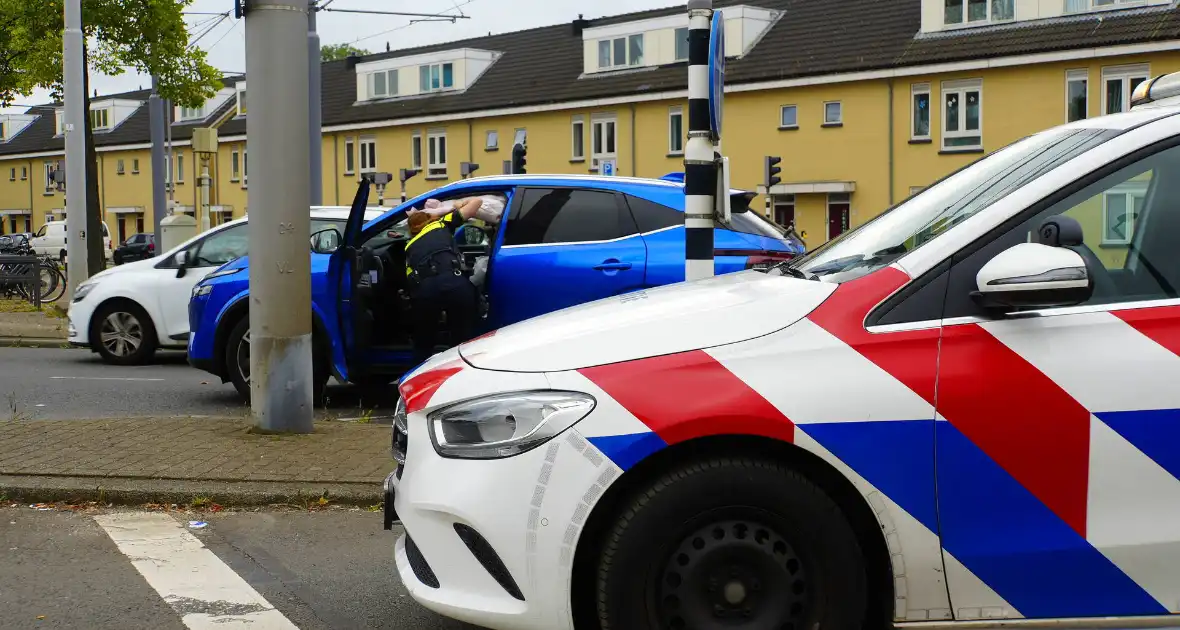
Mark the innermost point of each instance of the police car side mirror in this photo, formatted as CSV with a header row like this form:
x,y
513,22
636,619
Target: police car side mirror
x,y
326,241
1032,275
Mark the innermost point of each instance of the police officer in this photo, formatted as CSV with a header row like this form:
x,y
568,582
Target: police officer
x,y
436,280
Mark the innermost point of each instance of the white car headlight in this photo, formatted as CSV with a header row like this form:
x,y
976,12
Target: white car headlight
x,y
503,425
82,290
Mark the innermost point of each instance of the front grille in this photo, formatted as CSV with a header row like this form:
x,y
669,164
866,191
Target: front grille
x,y
482,550
401,436
418,564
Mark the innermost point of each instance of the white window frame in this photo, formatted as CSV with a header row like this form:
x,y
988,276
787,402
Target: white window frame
x,y
961,88
50,187
675,140
1125,74
1130,191
598,125
578,138
676,43
120,167
245,166
167,170
783,110
442,87
368,154
491,140
520,135
391,89
1073,76
191,113
628,60
59,117
966,21
179,167
916,90
241,89
134,167
416,150
349,155
436,142
12,174
235,166
103,113
840,107
1071,7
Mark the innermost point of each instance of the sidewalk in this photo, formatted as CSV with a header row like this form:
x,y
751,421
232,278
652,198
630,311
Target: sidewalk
x,y
22,325
184,460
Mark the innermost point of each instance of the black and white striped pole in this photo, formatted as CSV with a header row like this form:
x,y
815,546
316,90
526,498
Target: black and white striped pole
x,y
700,165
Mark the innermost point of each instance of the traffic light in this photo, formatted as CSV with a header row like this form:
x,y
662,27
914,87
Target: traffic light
x,y
519,158
770,174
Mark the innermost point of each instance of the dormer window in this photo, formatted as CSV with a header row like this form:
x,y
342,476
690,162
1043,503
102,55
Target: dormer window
x,y
1081,6
435,77
242,99
100,119
622,52
61,128
383,84
979,11
192,113
681,44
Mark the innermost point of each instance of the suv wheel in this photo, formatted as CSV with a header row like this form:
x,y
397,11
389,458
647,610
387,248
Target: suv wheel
x,y
237,363
122,334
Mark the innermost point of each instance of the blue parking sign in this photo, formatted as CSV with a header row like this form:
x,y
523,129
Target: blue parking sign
x,y
608,167
716,72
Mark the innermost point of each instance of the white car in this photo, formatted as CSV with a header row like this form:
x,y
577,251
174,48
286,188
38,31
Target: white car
x,y
127,312
50,240
963,412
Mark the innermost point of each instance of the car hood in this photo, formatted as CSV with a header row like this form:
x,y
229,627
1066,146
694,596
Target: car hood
x,y
131,267
665,320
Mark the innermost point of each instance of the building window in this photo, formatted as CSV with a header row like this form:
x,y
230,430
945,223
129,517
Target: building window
x,y
682,44
1118,83
622,52
179,168
118,167
675,130
100,118
962,118
577,138
12,174
602,139
492,142
976,11
788,117
134,167
436,76
368,154
242,101
1081,6
520,136
1077,95
833,113
167,169
235,166
1121,206
50,186
437,153
59,116
245,167
192,113
920,116
383,84
416,150
349,156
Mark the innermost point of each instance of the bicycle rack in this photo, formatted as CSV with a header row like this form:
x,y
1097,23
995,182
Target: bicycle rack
x,y
21,270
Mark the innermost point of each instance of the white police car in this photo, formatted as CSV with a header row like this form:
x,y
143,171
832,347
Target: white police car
x,y
965,410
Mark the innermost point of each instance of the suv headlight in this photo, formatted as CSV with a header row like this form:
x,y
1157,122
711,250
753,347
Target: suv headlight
x,y
503,425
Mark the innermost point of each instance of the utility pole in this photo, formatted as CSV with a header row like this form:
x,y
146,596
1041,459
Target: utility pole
x,y
159,194
75,131
700,165
280,226
314,119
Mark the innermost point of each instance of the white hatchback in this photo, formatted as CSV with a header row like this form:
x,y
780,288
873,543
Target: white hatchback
x,y
128,312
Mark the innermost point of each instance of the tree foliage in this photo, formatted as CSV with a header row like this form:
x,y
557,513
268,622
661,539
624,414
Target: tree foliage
x,y
147,36
333,52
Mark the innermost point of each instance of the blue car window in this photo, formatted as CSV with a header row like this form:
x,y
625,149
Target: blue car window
x,y
566,215
652,216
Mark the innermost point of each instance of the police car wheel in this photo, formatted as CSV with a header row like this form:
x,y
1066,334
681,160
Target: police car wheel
x,y
739,543
237,363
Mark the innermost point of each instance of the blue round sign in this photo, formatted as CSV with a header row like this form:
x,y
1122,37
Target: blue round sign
x,y
716,72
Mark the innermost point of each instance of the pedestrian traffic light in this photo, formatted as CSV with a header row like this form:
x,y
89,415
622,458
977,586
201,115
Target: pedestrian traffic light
x,y
772,170
519,158
467,168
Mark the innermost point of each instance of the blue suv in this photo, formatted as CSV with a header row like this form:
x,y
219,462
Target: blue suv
x,y
562,241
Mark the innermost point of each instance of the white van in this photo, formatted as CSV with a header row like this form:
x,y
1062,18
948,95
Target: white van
x,y
51,240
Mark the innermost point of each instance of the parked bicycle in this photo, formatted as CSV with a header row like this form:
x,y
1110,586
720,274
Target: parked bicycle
x,y
51,285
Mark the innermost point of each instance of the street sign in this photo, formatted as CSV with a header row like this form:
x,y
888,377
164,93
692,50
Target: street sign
x,y
716,72
607,167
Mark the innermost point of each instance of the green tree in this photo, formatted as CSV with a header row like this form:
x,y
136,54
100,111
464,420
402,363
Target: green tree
x,y
333,52
146,36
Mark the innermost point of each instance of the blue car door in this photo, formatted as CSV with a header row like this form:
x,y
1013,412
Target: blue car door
x,y
342,276
562,247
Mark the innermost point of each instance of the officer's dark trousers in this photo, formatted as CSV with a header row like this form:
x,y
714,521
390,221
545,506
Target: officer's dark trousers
x,y
450,293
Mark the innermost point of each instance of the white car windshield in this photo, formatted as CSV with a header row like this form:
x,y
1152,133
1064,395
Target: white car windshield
x,y
923,217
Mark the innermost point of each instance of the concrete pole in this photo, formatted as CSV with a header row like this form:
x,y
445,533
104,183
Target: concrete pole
x,y
204,192
700,167
280,226
159,194
314,119
75,132
171,161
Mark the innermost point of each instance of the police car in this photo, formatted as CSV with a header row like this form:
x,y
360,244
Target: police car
x,y
563,240
965,410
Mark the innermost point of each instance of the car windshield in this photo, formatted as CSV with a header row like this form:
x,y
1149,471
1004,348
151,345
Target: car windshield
x,y
923,217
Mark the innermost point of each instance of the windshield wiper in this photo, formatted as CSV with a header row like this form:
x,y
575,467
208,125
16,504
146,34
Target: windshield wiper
x,y
787,269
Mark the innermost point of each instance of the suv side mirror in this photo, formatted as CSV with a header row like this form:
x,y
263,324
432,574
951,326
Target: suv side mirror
x,y
1033,275
326,241
181,263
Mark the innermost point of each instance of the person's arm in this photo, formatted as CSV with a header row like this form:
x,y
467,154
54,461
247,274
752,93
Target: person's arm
x,y
468,207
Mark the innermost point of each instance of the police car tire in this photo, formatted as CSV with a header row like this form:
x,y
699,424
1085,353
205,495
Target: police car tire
x,y
319,372
641,544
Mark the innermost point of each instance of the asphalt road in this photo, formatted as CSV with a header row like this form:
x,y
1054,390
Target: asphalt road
x,y
325,570
55,383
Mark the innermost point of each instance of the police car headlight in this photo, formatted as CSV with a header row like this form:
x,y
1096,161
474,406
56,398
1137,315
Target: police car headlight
x,y
503,425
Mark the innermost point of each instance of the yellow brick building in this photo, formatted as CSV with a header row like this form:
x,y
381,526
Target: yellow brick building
x,y
865,101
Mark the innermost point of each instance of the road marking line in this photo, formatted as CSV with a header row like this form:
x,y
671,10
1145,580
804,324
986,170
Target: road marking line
x,y
203,590
101,378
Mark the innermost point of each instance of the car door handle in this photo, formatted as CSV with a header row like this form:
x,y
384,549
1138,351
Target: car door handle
x,y
613,265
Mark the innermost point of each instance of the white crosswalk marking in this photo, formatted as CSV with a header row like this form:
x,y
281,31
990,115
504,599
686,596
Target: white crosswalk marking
x,y
206,593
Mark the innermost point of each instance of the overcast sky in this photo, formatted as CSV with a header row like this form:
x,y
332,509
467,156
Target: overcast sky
x,y
226,42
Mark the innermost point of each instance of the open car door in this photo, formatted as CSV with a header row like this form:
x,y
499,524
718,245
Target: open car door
x,y
343,277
